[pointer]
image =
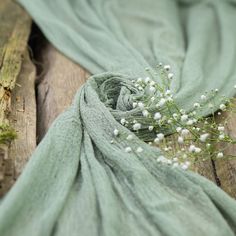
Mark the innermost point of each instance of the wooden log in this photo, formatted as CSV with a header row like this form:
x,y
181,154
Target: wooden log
x,y
15,26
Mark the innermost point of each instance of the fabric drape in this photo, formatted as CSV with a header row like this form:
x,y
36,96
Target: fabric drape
x,y
79,183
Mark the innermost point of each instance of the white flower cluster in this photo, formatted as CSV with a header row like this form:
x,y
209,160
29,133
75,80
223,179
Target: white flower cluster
x,y
196,136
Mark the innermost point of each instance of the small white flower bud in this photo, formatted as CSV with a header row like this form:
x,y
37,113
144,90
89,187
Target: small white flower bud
x,y
145,113
198,150
152,89
196,105
128,149
135,104
140,88
116,132
152,83
156,140
170,75
189,122
147,79
160,136
222,107
220,155
168,92
150,128
167,67
221,136
185,132
184,167
169,99
162,102
192,148
122,121
175,116
137,126
129,137
204,137
157,116
203,97
180,140
178,129
141,105
139,149
221,128
182,111
184,117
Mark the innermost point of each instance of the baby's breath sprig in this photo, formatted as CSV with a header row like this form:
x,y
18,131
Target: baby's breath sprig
x,y
195,137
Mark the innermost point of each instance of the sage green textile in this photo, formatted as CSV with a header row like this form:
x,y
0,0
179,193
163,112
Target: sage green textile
x,y
77,182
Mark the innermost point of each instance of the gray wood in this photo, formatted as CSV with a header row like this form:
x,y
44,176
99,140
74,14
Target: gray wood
x,y
15,26
57,87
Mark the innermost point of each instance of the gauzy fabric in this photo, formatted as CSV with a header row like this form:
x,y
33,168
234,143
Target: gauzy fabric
x,y
79,183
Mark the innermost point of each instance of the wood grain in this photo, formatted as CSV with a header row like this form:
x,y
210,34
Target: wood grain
x,y
23,116
226,169
57,87
23,119
15,27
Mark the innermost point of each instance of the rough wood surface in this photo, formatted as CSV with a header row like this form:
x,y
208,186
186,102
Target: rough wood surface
x,y
23,116
15,26
226,169
57,87
23,119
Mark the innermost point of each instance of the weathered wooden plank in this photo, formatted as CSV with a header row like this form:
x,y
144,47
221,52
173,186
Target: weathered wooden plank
x,y
23,119
15,26
226,169
23,116
60,81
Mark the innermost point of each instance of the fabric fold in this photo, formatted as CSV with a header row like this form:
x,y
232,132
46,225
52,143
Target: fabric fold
x,y
78,182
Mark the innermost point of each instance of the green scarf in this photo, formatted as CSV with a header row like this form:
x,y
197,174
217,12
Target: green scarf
x,y
77,182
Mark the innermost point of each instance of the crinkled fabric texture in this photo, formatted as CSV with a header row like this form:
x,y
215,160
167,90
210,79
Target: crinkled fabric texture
x,y
77,182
